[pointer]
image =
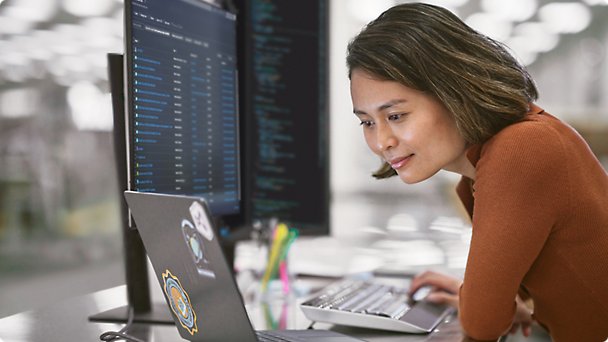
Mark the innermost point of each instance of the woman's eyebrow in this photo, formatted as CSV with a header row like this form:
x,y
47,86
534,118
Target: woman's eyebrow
x,y
382,107
391,103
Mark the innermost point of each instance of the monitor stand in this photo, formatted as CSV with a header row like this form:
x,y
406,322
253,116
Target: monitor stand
x,y
158,314
138,290
135,257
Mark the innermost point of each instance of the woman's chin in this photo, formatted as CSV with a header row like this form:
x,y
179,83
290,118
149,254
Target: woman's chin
x,y
408,178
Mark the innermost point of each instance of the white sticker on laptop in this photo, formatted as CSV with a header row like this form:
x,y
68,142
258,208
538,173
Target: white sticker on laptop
x,y
200,220
198,250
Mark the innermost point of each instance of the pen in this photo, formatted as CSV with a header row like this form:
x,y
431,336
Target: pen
x,y
278,240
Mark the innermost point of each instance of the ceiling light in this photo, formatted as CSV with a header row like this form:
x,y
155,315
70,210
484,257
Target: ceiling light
x,y
19,102
448,3
118,18
55,69
513,10
490,25
11,25
90,108
87,8
521,50
565,17
75,64
596,2
32,10
15,58
365,11
539,37
68,39
99,25
451,6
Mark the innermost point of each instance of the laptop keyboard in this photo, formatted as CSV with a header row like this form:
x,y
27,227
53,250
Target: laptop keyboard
x,y
277,336
363,297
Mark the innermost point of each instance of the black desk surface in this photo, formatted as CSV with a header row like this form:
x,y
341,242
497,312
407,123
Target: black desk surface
x,y
68,321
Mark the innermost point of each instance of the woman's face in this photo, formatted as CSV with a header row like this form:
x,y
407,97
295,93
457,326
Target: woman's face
x,y
410,130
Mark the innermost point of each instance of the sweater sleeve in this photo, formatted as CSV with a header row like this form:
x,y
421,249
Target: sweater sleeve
x,y
520,189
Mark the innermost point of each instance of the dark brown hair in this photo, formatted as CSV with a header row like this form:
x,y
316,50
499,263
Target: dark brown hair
x,y
428,48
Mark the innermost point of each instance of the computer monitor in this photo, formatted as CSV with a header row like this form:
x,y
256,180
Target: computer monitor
x,y
282,50
183,127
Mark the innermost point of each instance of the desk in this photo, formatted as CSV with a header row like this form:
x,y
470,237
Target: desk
x,y
68,321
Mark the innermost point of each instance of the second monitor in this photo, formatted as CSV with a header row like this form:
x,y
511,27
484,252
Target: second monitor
x,y
284,100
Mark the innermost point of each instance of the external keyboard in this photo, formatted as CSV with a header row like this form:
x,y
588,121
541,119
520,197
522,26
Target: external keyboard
x,y
362,297
364,303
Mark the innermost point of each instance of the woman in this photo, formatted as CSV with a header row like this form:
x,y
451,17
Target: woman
x,y
433,94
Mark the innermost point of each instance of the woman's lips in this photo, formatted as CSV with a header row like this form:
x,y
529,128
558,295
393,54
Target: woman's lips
x,y
398,163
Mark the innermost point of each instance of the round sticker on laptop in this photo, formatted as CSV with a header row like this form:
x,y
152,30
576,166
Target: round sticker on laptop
x,y
179,302
196,247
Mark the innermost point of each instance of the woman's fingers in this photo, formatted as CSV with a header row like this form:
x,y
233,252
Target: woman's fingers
x,y
438,280
443,298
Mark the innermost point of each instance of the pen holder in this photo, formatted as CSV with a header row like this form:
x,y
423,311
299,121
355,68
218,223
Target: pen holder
x,y
276,278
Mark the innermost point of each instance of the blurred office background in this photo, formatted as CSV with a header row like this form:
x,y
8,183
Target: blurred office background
x,y
59,217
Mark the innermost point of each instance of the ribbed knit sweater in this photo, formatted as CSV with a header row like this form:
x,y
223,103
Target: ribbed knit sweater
x,y
539,210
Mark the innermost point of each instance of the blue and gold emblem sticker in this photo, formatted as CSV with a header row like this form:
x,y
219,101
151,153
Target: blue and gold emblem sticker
x,y
180,302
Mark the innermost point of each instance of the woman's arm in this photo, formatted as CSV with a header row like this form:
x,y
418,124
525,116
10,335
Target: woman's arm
x,y
520,192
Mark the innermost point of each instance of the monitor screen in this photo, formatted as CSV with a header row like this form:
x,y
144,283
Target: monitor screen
x,y
283,50
182,101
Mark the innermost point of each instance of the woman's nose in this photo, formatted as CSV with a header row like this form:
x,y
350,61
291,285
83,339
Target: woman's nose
x,y
385,138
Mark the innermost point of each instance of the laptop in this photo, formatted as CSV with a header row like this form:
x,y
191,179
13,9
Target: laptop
x,y
197,282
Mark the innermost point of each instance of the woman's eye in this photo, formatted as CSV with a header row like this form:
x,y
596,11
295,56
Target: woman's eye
x,y
366,123
394,117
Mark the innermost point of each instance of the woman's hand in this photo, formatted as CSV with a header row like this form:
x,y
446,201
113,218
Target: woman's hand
x,y
444,288
523,318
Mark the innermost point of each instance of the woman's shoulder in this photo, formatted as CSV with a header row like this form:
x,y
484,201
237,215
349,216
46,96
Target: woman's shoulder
x,y
537,138
533,127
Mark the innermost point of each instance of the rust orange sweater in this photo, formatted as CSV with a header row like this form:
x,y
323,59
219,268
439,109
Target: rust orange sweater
x,y
539,207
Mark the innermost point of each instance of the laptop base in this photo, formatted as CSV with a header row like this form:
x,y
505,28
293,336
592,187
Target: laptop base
x,y
159,314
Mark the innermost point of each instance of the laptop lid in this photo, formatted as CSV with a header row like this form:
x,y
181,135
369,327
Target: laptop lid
x,y
196,280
